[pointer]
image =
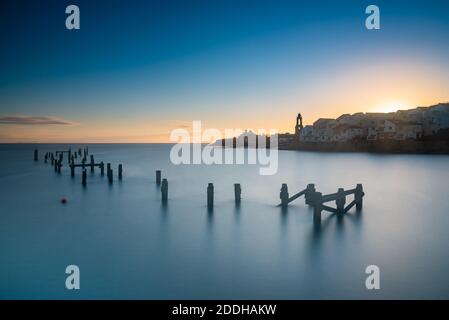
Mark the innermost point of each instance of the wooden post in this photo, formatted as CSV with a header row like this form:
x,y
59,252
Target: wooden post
x,y
70,154
79,152
317,200
284,195
237,193
59,166
92,162
158,177
84,178
310,190
56,165
358,197
45,158
120,174
210,196
341,200
72,170
52,159
111,176
108,169
36,155
102,168
268,142
164,190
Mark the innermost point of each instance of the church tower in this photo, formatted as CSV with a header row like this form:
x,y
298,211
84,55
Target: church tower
x,y
298,126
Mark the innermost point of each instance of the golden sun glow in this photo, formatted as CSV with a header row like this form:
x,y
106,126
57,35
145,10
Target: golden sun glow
x,y
391,107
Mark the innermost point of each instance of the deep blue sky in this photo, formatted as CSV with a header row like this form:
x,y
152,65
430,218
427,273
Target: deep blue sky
x,y
181,60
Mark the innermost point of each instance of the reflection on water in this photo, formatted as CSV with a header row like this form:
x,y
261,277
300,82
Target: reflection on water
x,y
130,245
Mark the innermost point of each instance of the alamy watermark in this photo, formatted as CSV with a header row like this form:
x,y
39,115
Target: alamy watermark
x,y
372,282
235,146
72,282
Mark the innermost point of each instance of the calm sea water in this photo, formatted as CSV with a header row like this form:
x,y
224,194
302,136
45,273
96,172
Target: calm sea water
x,y
128,246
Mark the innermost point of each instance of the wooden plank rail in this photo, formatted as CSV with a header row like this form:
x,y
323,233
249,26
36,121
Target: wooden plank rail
x,y
334,196
318,200
83,165
330,209
285,199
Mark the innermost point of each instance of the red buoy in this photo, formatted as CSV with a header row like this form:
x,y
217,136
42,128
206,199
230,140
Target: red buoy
x,y
63,200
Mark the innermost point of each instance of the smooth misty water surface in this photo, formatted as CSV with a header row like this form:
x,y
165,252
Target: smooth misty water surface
x,y
129,246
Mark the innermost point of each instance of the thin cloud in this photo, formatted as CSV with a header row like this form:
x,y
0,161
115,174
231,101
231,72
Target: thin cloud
x,y
34,120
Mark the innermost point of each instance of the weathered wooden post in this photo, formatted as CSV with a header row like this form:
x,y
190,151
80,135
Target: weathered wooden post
x,y
111,176
102,168
59,166
56,165
284,195
52,157
79,152
120,173
210,196
237,193
340,201
358,197
164,190
158,177
92,163
84,178
108,169
234,142
310,190
268,142
70,153
317,200
72,169
36,155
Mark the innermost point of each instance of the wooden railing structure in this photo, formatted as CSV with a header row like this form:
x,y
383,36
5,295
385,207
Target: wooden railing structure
x,y
317,200
58,156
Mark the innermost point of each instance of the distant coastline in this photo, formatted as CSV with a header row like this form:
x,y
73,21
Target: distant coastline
x,y
422,130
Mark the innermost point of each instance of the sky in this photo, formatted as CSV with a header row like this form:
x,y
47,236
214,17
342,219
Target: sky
x,y
138,69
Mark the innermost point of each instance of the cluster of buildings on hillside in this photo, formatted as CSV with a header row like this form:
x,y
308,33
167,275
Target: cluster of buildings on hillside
x,y
413,124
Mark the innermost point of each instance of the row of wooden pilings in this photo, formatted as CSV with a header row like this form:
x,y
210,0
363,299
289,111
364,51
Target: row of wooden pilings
x,y
313,198
210,191
57,159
